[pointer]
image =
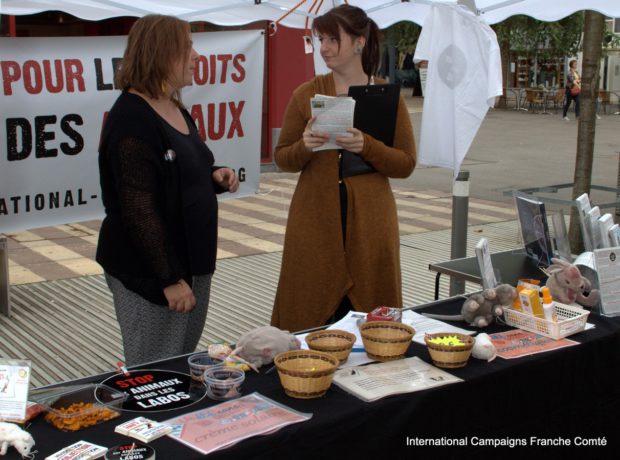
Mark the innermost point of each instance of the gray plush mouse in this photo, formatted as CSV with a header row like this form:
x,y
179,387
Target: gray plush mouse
x,y
480,309
259,346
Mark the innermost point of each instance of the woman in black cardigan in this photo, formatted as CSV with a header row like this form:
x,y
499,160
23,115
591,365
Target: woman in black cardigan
x,y
157,243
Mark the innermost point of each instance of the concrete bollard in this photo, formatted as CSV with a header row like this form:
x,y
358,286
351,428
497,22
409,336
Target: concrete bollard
x,y
458,242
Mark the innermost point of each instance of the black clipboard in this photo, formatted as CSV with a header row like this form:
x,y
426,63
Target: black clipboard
x,y
376,107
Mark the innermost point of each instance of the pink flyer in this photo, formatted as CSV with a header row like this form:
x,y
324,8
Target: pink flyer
x,y
220,426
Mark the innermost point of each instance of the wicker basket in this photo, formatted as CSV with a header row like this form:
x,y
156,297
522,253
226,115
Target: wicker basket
x,y
386,340
449,355
305,374
333,341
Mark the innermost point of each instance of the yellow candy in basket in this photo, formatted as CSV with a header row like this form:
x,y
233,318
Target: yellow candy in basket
x,y
449,341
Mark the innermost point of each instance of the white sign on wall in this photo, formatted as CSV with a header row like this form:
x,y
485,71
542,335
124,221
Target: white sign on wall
x,y
54,96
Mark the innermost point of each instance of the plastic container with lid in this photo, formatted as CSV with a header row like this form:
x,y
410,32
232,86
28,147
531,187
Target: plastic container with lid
x,y
72,408
199,363
223,382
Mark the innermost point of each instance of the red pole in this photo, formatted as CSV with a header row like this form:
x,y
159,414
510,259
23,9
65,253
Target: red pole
x,y
12,28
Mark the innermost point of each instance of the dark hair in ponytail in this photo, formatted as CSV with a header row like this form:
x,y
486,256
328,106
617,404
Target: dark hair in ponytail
x,y
356,23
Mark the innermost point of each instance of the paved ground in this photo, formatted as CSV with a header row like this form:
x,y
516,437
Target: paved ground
x,y
248,226
517,149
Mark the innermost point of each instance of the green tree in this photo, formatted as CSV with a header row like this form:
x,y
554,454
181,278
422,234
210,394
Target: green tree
x,y
404,37
541,40
537,40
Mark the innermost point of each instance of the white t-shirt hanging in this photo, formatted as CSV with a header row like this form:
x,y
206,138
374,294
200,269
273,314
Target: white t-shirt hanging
x,y
464,77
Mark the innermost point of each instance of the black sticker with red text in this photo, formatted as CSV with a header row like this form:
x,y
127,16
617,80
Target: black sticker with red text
x,y
133,451
154,390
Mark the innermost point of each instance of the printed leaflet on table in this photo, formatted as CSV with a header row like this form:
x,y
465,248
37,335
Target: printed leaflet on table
x,y
143,429
517,343
375,381
225,424
81,450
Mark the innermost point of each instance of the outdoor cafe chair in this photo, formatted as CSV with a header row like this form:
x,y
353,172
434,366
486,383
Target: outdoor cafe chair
x,y
604,99
509,97
535,97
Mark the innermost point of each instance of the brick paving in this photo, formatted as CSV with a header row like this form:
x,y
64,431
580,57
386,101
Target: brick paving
x,y
248,226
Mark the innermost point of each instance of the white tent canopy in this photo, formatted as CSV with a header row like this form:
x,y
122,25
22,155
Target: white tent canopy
x,y
238,12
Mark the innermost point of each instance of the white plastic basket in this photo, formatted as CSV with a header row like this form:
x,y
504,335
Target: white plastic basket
x,y
570,321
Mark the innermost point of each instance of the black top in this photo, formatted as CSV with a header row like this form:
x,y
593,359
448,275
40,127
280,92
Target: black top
x,y
161,211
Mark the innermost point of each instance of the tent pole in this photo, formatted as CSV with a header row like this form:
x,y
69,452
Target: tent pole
x,y
471,5
499,5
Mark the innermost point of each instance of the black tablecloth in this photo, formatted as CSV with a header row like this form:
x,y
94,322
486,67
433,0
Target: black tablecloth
x,y
565,396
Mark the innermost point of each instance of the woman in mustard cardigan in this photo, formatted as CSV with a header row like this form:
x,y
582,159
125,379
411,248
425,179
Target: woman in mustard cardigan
x,y
341,248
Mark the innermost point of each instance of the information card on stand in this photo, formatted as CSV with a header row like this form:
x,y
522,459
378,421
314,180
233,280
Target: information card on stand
x,y
14,383
608,268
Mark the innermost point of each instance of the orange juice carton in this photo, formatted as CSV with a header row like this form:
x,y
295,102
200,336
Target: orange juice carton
x,y
524,284
530,302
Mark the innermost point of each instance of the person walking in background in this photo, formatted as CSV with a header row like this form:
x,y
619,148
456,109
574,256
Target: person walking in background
x,y
157,243
572,89
341,248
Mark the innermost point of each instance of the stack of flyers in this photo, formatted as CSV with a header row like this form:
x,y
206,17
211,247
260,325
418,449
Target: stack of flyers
x,y
81,450
143,429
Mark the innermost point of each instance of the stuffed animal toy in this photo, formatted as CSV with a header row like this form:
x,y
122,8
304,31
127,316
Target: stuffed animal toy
x,y
259,346
483,348
480,309
13,435
567,285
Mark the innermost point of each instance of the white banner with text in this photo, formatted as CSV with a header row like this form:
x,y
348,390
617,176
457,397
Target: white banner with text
x,y
54,97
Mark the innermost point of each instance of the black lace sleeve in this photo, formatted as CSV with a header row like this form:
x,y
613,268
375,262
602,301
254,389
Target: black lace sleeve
x,y
143,208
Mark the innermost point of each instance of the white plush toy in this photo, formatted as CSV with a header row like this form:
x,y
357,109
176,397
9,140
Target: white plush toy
x,y
13,435
484,348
